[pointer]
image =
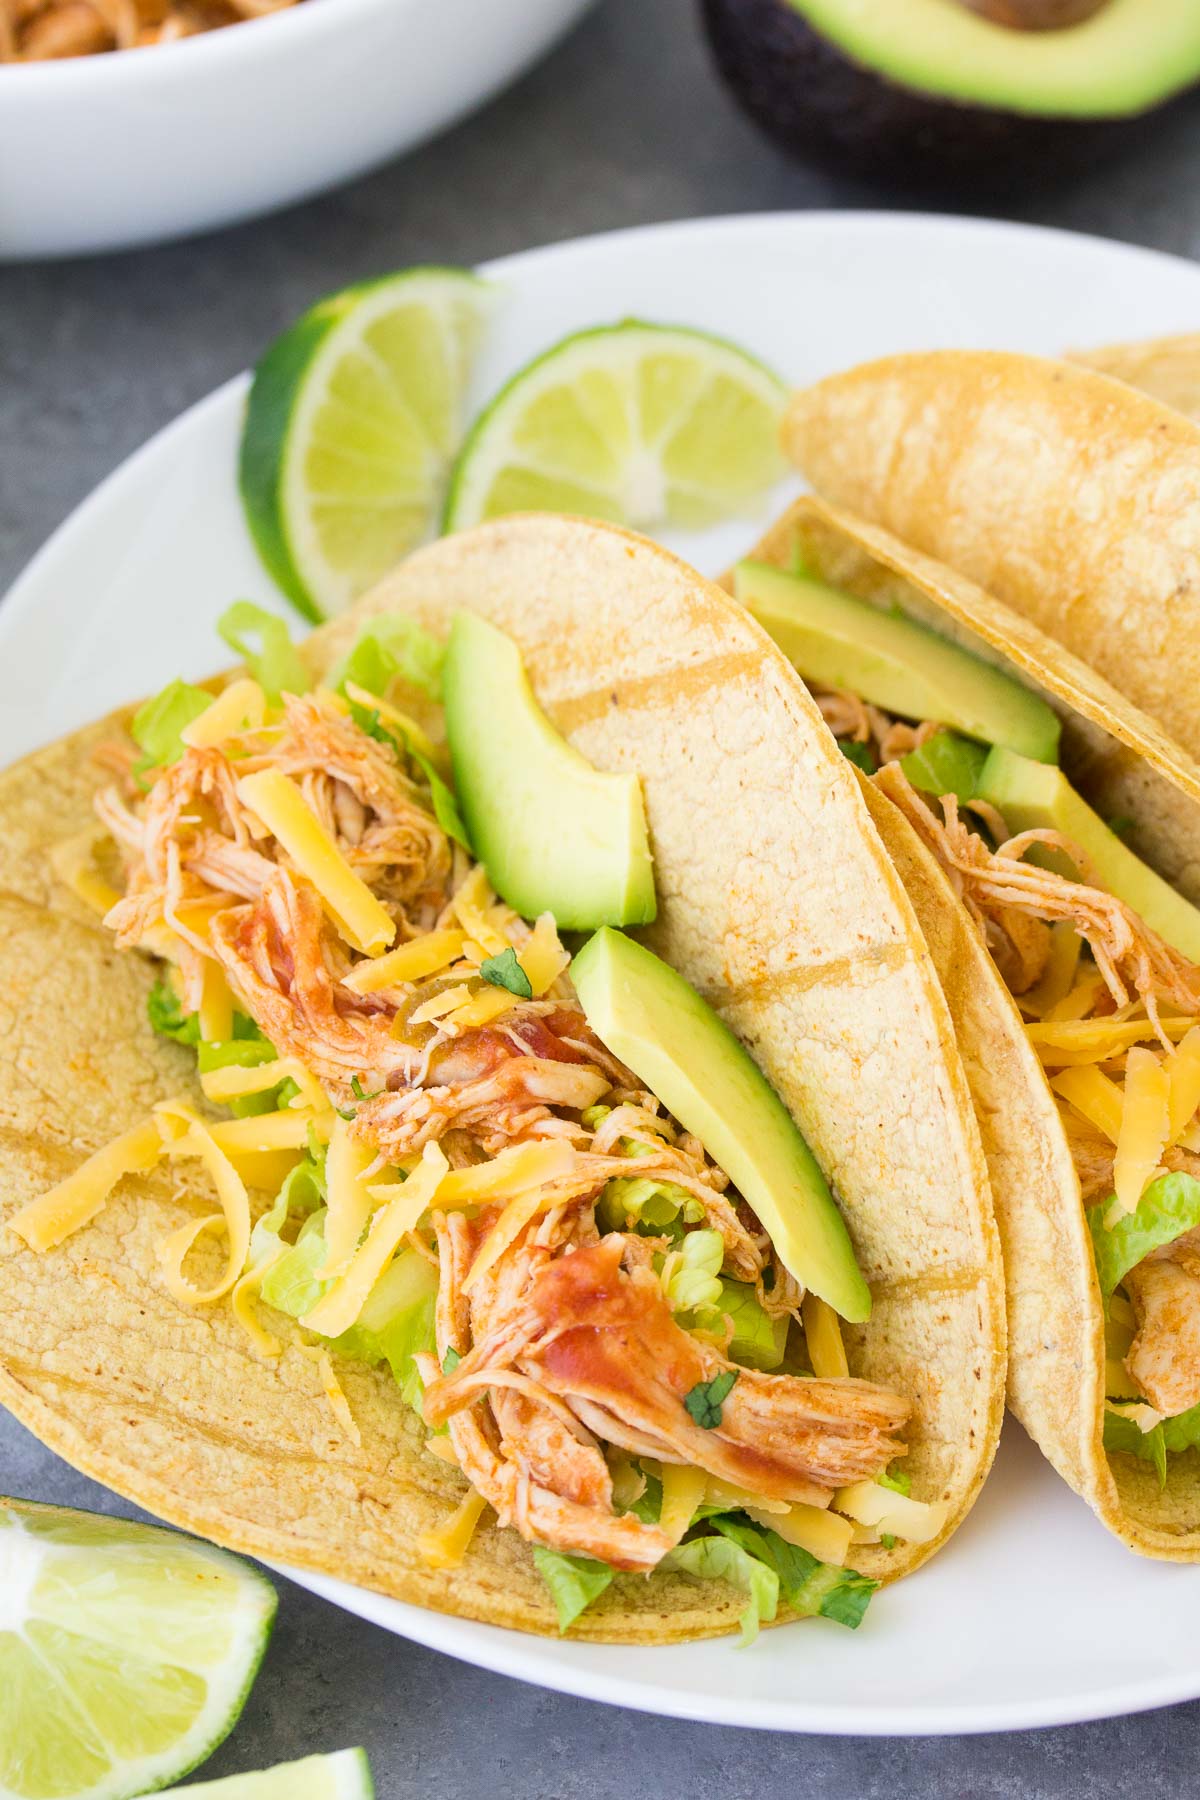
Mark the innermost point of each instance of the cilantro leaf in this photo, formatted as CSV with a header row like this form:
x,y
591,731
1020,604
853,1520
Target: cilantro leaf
x,y
356,1088
1169,1206
450,1361
705,1400
859,754
504,971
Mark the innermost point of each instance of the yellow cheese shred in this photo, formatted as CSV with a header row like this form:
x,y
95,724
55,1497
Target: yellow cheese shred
x,y
198,1141
350,1200
823,1335
736,1499
425,955
216,1004
234,1082
1058,978
543,957
516,1168
73,860
1145,1124
446,1545
1095,1095
242,1302
881,1508
683,1490
470,906
823,1534
1071,1043
340,1306
507,1229
1183,1072
1081,999
64,1208
439,1005
480,1008
275,799
285,1130
242,706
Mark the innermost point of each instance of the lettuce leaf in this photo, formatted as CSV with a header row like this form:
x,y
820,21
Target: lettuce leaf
x,y
264,643
724,1559
647,1204
166,1015
392,647
1121,1433
574,1582
245,1053
1169,1206
157,725
808,1585
758,1340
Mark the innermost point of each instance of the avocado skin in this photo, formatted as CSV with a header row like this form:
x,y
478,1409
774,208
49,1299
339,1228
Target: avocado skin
x,y
807,95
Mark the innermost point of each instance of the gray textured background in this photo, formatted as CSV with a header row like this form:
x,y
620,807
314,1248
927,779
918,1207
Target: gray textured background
x,y
624,123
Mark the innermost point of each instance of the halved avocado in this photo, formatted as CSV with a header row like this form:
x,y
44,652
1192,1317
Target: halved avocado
x,y
931,89
554,834
656,1022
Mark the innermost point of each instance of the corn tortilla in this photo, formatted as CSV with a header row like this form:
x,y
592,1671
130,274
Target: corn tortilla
x,y
776,898
1056,1381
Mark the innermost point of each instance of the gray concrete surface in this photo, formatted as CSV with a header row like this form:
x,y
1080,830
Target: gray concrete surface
x,y
624,123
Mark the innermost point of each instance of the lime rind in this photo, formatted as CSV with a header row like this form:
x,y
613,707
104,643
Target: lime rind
x,y
346,445
627,469
345,1775
47,1539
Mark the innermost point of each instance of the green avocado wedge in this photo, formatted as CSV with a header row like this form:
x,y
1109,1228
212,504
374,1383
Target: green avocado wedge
x,y
1033,797
658,1024
839,641
555,834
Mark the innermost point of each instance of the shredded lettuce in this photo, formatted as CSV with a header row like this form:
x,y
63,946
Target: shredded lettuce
x,y
397,1320
264,643
946,764
645,1204
392,647
690,1274
758,1340
166,1015
247,1052
1182,1432
897,1481
1169,1206
157,725
808,1585
724,1559
574,1582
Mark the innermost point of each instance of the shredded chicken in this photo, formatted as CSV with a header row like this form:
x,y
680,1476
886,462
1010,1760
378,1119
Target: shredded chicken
x,y
1164,1358
39,30
569,1346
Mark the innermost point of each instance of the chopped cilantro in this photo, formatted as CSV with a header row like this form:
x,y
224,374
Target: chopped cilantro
x,y
705,1400
858,754
356,1088
505,971
450,1361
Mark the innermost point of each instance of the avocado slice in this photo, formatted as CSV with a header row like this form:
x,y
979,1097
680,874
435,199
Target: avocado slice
x,y
941,89
1033,796
842,642
554,834
657,1023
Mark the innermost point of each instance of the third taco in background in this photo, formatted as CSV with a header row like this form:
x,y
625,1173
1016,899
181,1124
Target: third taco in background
x,y
1049,838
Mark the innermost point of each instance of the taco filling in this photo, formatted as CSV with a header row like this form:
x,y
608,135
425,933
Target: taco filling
x,y
431,1151
1101,955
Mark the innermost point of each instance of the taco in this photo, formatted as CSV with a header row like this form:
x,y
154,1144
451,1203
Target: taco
x,y
1048,836
1167,368
522,1300
1064,492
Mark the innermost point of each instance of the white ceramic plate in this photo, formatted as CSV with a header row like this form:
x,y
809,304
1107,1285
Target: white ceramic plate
x,y
1033,1615
101,152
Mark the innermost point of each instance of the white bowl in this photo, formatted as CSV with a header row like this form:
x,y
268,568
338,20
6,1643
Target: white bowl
x,y
103,152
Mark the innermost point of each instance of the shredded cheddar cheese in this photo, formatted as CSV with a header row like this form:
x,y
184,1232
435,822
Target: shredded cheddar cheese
x,y
1095,1095
425,955
882,1509
275,799
234,1217
340,1306
543,957
216,1004
446,1545
823,1335
1058,978
242,1302
242,706
350,1199
470,905
1183,1074
74,862
1145,1126
72,1203
683,1490
823,1534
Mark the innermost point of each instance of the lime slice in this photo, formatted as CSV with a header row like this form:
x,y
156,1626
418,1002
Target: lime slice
x,y
643,424
344,1776
126,1652
354,418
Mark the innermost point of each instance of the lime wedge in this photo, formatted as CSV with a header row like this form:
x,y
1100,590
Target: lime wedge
x,y
355,415
344,1776
639,423
126,1652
